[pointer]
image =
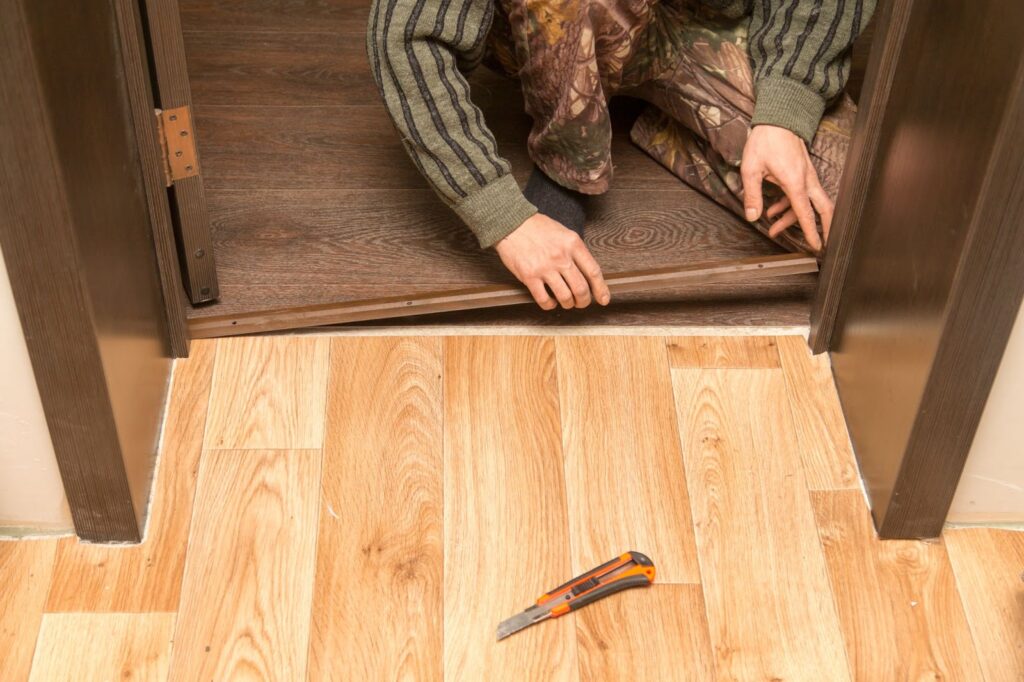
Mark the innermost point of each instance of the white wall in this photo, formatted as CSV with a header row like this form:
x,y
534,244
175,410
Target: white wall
x,y
31,494
991,489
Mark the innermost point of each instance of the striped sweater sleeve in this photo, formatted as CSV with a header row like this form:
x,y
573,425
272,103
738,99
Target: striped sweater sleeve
x,y
415,48
800,51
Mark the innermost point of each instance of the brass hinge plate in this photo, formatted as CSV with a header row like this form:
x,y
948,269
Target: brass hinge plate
x,y
177,144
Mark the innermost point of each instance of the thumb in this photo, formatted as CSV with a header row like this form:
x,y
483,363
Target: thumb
x,y
753,202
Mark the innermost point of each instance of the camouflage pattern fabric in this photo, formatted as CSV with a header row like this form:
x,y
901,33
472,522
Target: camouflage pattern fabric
x,y
692,67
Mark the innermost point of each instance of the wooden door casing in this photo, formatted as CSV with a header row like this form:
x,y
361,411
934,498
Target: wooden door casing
x,y
932,283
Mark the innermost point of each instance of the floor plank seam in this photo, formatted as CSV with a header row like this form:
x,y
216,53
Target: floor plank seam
x,y
443,414
203,459
963,603
320,502
565,494
833,599
701,568
858,484
42,614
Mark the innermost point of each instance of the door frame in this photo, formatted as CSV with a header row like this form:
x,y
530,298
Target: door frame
x,y
911,485
77,229
891,22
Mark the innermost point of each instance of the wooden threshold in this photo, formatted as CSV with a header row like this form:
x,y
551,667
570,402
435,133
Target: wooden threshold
x,y
492,296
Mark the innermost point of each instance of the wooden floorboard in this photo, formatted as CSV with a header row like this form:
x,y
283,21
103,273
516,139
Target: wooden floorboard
x,y
989,568
275,16
506,539
239,68
247,592
314,200
459,478
374,243
825,447
26,567
147,577
656,633
897,600
668,308
722,352
103,646
268,394
377,605
623,466
355,147
770,609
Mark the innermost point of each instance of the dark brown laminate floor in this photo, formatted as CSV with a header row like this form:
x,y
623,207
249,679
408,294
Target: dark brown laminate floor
x,y
312,199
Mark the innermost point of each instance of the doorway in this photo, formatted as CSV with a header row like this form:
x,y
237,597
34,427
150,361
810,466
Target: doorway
x,y
312,201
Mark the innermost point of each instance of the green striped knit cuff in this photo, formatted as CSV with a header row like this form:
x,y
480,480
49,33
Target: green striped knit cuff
x,y
788,104
494,210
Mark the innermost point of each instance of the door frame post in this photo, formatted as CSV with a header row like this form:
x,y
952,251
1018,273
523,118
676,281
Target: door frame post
x,y
75,231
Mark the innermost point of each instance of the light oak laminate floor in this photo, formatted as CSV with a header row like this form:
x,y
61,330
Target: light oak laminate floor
x,y
368,508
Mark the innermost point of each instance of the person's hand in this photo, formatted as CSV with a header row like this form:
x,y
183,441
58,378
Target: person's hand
x,y
780,157
542,252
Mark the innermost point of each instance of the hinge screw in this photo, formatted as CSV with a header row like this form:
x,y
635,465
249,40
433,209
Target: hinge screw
x,y
174,117
184,133
200,253
204,291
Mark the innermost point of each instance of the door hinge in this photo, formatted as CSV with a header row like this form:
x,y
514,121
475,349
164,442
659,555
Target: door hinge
x,y
177,144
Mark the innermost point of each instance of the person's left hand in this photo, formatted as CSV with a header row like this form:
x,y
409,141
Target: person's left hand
x,y
779,156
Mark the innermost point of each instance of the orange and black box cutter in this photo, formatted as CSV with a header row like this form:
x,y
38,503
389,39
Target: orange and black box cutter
x,y
632,569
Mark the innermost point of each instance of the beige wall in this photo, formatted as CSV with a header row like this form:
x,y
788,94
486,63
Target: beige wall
x,y
991,489
31,495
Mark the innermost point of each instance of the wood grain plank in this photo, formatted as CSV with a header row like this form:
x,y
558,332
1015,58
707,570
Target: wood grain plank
x,y
505,535
722,352
642,309
373,236
656,633
147,577
694,275
623,467
25,570
268,393
252,68
373,242
380,535
770,609
988,565
248,585
897,600
103,646
306,147
829,462
303,16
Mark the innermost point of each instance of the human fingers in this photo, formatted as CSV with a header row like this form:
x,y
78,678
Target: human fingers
x,y
801,205
577,285
824,205
559,288
752,173
540,294
787,220
590,268
778,208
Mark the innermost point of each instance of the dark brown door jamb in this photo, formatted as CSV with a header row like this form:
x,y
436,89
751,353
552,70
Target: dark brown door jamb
x,y
860,165
140,94
76,237
984,303
920,305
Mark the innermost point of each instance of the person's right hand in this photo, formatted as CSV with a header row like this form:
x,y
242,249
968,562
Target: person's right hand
x,y
542,252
